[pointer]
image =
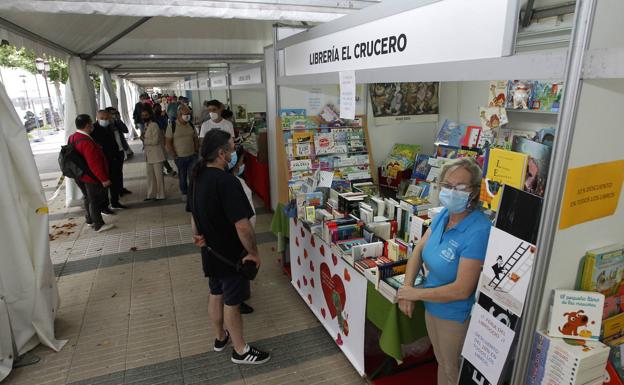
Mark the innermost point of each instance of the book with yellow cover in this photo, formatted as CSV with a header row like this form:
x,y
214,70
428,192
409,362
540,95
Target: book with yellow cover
x,y
504,168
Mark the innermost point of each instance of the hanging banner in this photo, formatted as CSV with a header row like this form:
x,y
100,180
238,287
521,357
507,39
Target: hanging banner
x,y
246,77
591,192
218,81
443,31
347,95
334,291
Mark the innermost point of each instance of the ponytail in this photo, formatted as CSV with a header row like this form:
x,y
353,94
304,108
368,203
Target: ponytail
x,y
198,168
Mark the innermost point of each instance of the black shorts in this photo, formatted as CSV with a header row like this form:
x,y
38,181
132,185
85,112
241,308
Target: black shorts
x,y
235,289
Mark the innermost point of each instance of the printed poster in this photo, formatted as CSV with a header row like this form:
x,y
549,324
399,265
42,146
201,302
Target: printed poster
x,y
347,94
507,270
404,102
487,344
334,291
591,192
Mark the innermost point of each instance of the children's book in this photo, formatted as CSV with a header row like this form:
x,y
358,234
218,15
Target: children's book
x,y
537,166
487,138
520,94
547,96
450,134
498,93
604,270
576,314
612,377
471,137
613,326
519,213
616,356
503,168
324,143
492,118
421,167
507,270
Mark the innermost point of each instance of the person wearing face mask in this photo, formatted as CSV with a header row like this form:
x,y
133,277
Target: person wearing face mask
x,y
452,251
104,135
136,114
216,121
120,130
182,143
154,157
221,227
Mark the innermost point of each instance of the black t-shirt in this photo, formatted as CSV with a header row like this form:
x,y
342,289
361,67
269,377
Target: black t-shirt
x,y
220,203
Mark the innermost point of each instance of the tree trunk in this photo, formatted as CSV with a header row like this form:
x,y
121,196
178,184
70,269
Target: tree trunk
x,y
60,106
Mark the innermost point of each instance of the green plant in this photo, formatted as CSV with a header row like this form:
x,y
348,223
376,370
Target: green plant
x,y
12,57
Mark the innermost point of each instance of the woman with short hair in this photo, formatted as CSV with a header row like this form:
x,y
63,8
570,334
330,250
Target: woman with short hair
x,y
452,250
154,156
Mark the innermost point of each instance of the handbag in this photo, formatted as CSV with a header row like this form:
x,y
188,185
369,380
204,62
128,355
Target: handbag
x,y
248,269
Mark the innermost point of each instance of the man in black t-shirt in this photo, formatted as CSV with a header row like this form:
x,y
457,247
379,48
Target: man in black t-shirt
x,y
221,213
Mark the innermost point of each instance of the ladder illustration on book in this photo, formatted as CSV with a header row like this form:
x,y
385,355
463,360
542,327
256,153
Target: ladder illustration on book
x,y
510,263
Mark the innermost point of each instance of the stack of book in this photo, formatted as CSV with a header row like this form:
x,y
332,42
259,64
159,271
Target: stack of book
x,y
566,362
389,286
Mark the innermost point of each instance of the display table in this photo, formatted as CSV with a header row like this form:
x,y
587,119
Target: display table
x,y
279,227
342,299
396,328
257,178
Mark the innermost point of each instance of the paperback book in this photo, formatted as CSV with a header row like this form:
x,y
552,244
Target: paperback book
x,y
503,168
537,164
576,314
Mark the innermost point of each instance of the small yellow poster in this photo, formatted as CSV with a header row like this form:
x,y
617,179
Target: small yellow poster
x,y
591,192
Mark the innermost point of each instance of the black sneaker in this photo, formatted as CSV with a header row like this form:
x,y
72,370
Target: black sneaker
x,y
108,212
246,309
252,356
220,345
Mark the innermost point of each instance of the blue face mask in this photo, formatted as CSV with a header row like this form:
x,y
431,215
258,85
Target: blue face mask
x,y
233,161
241,170
455,201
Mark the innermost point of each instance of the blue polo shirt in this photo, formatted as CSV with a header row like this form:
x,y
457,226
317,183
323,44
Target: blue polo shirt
x,y
468,239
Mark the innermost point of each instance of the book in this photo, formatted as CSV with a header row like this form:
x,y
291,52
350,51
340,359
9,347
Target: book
x,y
498,93
537,163
450,134
421,167
604,270
487,138
504,168
520,94
576,314
507,270
471,137
519,213
616,355
613,326
612,377
492,118
547,96
324,143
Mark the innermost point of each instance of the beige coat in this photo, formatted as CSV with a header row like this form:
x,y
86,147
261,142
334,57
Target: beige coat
x,y
154,142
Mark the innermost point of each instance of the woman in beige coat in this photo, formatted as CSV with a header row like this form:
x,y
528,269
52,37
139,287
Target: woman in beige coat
x,y
154,157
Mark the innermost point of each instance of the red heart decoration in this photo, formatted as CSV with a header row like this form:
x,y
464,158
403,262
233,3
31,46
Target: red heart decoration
x,y
299,261
323,312
322,250
312,282
310,299
299,284
312,242
312,266
347,276
297,241
305,281
302,233
332,285
334,259
339,340
305,253
295,218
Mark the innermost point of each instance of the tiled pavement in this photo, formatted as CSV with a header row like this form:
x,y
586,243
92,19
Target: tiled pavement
x,y
134,305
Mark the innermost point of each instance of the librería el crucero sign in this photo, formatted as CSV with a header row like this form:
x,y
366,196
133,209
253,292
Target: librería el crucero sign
x,y
442,31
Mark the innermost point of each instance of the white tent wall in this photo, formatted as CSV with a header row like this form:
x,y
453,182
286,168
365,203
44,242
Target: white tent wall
x,y
108,97
123,103
79,99
253,99
598,137
28,293
131,99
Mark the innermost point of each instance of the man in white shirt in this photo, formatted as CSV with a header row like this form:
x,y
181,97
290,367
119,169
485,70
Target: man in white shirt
x,y
216,121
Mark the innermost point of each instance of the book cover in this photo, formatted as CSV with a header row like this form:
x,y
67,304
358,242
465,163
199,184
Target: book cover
x,y
604,270
471,137
520,94
450,134
421,167
612,377
537,164
507,270
547,96
616,355
576,314
487,138
498,93
613,326
324,143
492,118
519,213
367,250
504,168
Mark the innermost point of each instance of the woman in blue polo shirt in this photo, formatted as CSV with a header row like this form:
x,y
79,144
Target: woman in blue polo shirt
x,y
453,250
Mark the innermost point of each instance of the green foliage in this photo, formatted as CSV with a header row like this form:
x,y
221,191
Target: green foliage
x,y
12,57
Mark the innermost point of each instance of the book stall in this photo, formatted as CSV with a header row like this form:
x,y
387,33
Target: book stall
x,y
353,226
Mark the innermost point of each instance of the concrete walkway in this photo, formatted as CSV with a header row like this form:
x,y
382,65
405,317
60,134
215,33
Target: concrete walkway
x,y
134,304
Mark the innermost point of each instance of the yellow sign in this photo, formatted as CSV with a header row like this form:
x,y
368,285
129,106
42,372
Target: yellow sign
x,y
591,192
42,210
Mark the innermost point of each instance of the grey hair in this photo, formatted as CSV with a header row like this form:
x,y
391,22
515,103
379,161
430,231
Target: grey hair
x,y
469,164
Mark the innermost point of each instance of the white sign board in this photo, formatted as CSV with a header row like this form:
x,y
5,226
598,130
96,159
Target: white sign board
x,y
444,31
347,94
487,344
187,85
245,77
334,291
204,83
218,81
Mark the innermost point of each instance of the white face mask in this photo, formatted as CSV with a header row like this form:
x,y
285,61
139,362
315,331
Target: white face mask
x,y
214,116
186,118
103,123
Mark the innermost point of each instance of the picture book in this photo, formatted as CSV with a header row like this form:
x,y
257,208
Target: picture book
x,y
324,143
537,166
471,137
604,270
613,326
614,304
617,355
448,152
450,134
421,167
367,250
576,314
492,118
464,152
520,94
612,377
507,270
547,96
292,112
498,93
504,168
487,138
519,213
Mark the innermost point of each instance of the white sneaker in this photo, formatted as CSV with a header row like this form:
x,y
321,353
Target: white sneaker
x,y
105,227
183,197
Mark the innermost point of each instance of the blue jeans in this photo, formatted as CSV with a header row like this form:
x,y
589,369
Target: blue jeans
x,y
185,166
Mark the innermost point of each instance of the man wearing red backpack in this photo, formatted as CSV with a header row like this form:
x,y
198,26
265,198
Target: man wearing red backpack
x,y
95,180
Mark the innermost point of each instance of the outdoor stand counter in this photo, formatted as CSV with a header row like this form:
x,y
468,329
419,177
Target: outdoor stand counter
x,y
342,299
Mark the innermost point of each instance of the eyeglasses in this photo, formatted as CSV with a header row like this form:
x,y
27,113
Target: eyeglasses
x,y
459,187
